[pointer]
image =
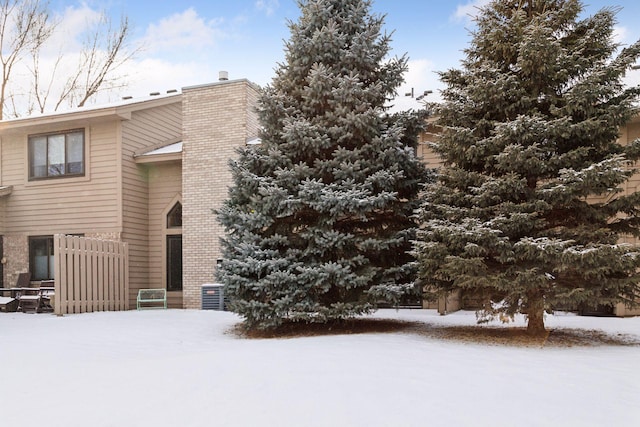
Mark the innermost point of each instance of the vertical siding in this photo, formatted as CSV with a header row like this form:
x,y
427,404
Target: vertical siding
x,y
146,128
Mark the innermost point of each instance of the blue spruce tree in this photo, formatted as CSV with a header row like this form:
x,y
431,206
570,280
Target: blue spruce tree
x,y
319,219
529,209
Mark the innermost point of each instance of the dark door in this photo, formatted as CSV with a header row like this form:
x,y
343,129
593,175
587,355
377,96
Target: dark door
x,y
174,262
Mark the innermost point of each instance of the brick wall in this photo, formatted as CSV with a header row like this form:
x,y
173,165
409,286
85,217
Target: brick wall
x,y
217,118
16,257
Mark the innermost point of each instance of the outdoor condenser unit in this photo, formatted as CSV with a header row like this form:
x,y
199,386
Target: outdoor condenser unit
x,y
213,296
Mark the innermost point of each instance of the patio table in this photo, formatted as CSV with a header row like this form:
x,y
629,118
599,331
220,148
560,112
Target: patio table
x,y
13,292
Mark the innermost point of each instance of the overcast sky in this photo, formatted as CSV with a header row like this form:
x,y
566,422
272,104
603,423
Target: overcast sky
x,y
188,42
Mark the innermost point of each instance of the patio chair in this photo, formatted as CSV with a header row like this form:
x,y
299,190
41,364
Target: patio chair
x,y
47,293
10,297
24,280
28,299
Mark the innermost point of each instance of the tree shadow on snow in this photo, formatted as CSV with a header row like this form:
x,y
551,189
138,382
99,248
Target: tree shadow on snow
x,y
478,334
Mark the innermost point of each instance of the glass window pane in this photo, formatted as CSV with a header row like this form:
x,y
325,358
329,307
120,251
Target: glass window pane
x,y
174,218
174,263
38,152
56,155
41,249
75,152
51,265
41,267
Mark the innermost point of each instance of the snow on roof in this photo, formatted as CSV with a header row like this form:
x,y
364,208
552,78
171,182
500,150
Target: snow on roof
x,y
124,102
174,148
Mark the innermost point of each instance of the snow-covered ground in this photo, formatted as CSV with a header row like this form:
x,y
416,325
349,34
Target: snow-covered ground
x,y
184,368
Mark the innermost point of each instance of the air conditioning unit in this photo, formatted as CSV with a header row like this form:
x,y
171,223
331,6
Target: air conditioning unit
x,y
213,296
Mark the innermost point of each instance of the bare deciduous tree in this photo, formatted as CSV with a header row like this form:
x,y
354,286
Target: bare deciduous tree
x,y
24,27
104,52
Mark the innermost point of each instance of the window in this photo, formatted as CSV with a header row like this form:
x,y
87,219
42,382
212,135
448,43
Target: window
x,y
56,155
41,260
174,262
41,257
174,217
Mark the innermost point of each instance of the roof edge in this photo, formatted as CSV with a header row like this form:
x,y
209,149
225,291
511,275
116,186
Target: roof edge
x,y
150,148
121,110
221,82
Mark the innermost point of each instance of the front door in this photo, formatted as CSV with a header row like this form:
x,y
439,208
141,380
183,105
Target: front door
x,y
174,262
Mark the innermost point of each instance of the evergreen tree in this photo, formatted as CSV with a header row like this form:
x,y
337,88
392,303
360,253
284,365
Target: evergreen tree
x,y
319,219
529,210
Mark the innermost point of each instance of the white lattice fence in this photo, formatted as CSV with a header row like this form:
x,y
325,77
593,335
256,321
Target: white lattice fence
x,y
90,275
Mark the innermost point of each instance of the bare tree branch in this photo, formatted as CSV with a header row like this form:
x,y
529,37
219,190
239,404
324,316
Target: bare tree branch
x,y
103,54
40,91
24,27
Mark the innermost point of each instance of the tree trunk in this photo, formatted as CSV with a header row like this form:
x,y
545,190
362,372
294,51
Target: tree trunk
x,y
535,314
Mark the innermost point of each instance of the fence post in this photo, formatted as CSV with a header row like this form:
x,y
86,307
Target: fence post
x,y
57,275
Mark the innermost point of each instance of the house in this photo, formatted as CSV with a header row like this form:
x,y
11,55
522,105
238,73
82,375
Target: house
x,y
146,172
456,300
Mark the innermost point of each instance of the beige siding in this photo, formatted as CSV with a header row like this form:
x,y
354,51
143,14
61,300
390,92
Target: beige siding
x,y
424,151
165,187
87,205
147,128
3,208
110,201
623,311
628,133
64,205
3,281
